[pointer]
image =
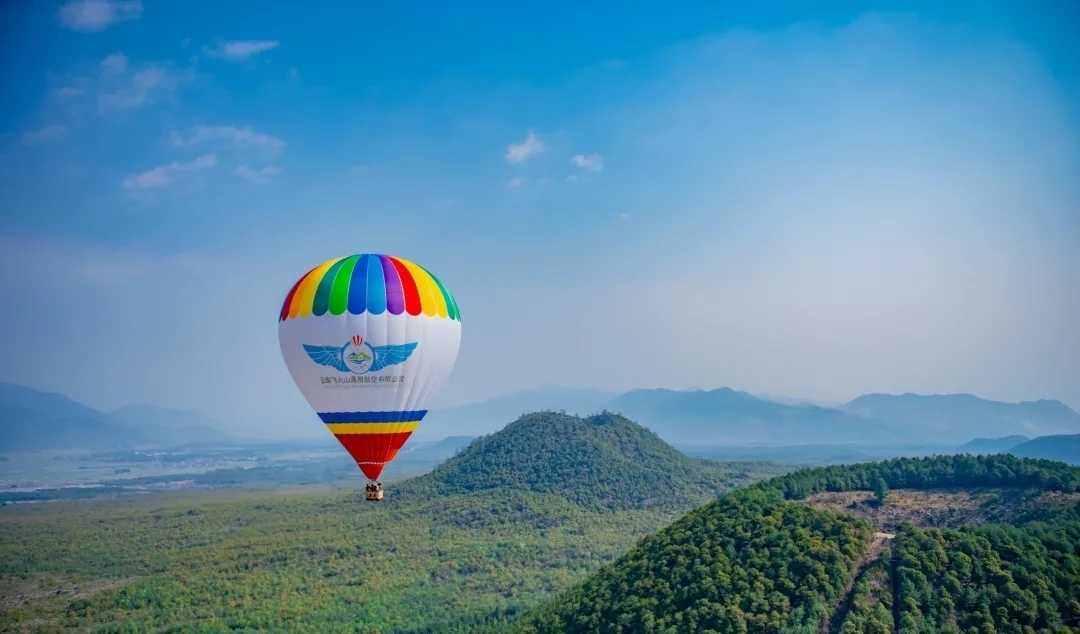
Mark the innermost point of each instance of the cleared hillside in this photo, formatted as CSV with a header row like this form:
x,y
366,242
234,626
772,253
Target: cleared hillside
x,y
951,508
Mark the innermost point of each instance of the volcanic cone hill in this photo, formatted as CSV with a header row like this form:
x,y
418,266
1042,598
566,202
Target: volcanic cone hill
x,y
603,461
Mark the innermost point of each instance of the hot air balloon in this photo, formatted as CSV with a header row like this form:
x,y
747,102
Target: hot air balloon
x,y
369,339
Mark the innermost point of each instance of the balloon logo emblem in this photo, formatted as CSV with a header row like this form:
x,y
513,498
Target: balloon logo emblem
x,y
359,357
369,339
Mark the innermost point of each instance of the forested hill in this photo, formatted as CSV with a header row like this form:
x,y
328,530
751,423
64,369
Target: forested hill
x,y
755,561
602,461
997,470
748,562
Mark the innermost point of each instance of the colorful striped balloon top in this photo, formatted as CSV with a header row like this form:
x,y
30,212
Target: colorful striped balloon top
x,y
369,283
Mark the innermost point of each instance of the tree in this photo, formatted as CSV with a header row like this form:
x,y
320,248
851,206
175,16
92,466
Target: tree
x,y
881,489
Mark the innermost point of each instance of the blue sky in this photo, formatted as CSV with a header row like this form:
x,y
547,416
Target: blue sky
x,y
817,199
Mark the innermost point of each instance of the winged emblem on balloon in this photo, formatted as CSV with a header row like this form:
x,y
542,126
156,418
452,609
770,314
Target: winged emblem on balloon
x,y
358,357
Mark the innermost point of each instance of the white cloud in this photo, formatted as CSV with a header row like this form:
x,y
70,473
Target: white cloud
x,y
257,176
98,15
592,162
68,92
76,87
246,138
48,133
144,86
515,183
243,49
115,64
624,216
573,178
519,153
163,174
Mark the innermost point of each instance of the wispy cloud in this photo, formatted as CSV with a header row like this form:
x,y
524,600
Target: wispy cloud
x,y
246,138
521,152
44,135
115,64
144,86
257,175
241,49
37,262
514,183
592,162
164,174
98,15
68,92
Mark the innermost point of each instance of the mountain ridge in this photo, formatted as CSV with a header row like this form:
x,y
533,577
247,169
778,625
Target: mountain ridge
x,y
688,418
993,445
738,418
1059,447
34,420
727,416
179,425
953,417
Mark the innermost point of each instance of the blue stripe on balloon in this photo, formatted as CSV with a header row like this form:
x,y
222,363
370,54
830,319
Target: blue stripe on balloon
x,y
373,417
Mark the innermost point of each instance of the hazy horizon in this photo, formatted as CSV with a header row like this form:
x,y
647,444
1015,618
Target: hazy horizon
x,y
432,430
773,199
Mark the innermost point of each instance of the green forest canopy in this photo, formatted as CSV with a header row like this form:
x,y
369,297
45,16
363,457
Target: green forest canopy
x,y
753,562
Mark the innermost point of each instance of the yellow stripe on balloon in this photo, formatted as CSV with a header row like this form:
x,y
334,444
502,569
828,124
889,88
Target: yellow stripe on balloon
x,y
372,428
306,292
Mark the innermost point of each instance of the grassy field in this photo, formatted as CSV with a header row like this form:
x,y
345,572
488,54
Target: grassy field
x,y
298,561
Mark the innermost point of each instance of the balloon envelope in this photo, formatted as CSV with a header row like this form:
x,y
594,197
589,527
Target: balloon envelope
x,y
369,339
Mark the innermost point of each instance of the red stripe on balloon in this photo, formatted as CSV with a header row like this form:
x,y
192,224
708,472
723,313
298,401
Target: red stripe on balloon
x,y
408,287
374,449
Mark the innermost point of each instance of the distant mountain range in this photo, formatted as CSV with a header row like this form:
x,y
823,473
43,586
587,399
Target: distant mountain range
x,y
732,418
491,415
173,425
960,417
31,420
1059,447
728,417
986,446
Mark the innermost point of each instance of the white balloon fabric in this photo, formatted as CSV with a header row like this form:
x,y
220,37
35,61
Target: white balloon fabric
x,y
369,339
